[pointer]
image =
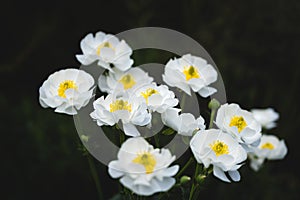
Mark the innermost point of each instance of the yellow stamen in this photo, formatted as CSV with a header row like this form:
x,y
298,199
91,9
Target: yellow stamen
x,y
120,105
191,72
220,148
239,122
63,86
104,44
127,81
147,160
267,145
148,93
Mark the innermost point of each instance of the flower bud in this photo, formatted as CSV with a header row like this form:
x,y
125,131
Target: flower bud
x,y
200,178
214,104
84,138
184,179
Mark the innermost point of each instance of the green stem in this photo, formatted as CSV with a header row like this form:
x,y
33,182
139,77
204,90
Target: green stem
x,y
95,176
182,101
189,162
194,185
212,117
122,138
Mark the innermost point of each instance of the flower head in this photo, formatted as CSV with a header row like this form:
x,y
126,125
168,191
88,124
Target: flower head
x,y
270,147
185,123
239,123
157,98
143,169
123,81
266,117
106,49
190,72
217,148
131,111
67,91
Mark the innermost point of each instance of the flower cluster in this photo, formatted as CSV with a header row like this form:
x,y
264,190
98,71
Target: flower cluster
x,y
130,96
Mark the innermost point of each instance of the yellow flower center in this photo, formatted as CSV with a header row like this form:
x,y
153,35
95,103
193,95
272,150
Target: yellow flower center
x,y
63,86
104,44
120,105
148,93
219,148
239,122
267,145
127,81
147,160
191,72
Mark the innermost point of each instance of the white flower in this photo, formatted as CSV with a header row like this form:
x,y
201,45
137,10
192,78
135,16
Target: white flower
x,y
191,72
157,98
106,49
239,123
270,148
131,111
118,80
214,147
67,90
266,117
142,169
185,123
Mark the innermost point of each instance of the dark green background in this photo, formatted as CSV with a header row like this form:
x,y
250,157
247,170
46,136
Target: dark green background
x,y
255,45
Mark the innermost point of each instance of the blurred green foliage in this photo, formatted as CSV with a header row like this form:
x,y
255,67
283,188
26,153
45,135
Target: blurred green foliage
x,y
255,45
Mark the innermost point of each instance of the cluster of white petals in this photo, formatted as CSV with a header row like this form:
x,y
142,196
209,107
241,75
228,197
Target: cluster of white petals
x,y
107,50
123,81
270,147
184,124
191,72
266,117
133,96
130,110
157,98
239,123
67,91
143,169
217,148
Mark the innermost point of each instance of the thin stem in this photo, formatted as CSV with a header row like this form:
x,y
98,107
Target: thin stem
x,y
189,162
212,117
122,138
95,176
182,101
194,185
90,161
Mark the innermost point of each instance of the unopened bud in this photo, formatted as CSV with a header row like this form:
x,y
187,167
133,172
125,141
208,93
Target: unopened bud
x,y
214,104
84,138
184,179
200,178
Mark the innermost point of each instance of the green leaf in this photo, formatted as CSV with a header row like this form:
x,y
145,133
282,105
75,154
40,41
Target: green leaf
x,y
168,131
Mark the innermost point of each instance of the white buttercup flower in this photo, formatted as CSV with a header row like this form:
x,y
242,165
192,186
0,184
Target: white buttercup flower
x,y
270,148
67,91
157,98
143,169
131,111
106,49
266,117
239,123
214,147
123,81
184,124
191,72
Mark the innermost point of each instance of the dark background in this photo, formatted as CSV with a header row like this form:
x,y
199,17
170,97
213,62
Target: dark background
x,y
255,45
